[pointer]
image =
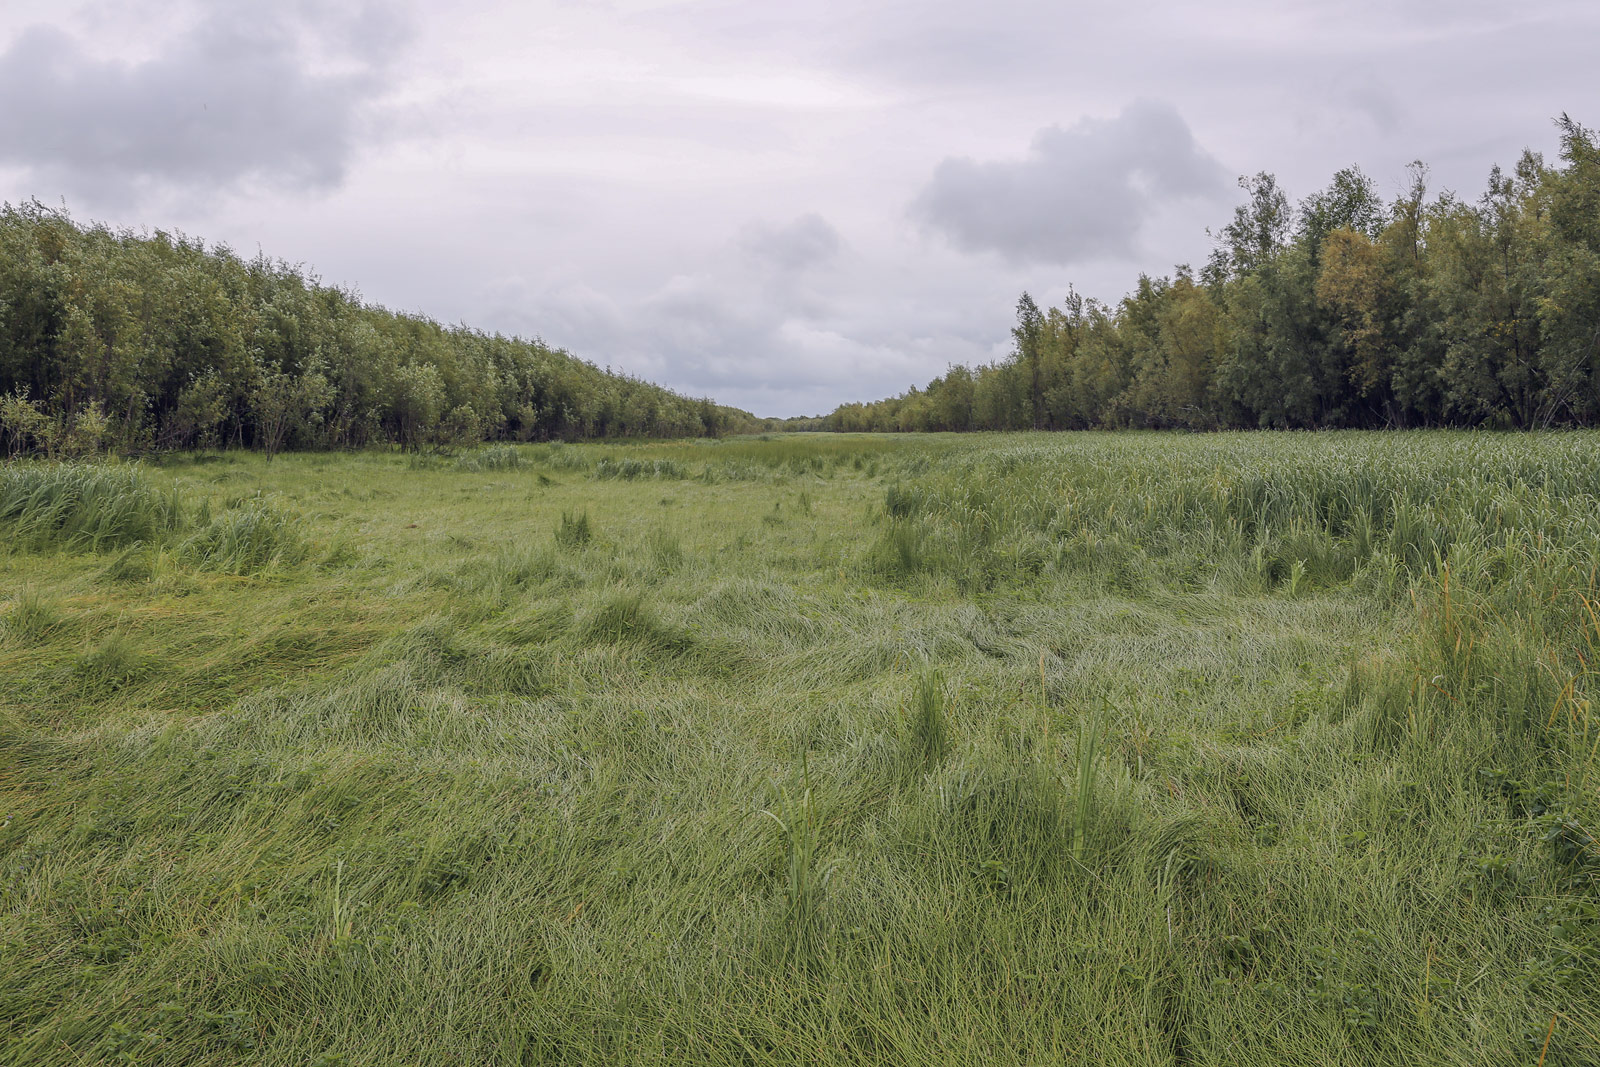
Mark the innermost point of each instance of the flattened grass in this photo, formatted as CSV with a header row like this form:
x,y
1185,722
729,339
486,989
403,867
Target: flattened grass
x,y
1130,749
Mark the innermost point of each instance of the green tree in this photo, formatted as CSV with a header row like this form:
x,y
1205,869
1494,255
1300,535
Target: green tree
x,y
283,403
1028,335
1568,289
417,400
1258,231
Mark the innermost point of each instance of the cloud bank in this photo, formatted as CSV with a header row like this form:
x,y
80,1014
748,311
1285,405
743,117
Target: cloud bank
x,y
808,241
1081,194
241,97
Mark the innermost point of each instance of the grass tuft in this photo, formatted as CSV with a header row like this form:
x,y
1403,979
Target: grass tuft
x,y
31,616
115,662
928,737
247,540
626,618
492,458
574,531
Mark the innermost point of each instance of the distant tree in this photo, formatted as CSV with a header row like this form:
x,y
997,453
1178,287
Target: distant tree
x,y
1028,335
1350,202
1258,230
1346,312
954,399
161,341
1351,283
25,425
417,401
200,411
1569,284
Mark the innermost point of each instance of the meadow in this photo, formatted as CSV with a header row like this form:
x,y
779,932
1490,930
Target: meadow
x,y
806,749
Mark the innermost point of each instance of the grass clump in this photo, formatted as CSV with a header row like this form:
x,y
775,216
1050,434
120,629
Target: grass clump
x,y
626,618
804,881
574,531
492,458
629,469
116,661
82,506
246,540
31,615
928,738
136,563
666,550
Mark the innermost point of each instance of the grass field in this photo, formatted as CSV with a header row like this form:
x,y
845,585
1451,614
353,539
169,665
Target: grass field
x,y
1113,749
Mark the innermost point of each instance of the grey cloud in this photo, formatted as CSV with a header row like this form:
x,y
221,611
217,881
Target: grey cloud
x,y
1379,105
1081,194
249,95
1015,43
808,241
713,334
905,41
954,43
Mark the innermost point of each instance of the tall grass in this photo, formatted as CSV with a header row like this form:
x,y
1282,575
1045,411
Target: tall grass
x,y
491,458
31,615
1086,754
574,531
246,540
93,508
1126,749
928,736
804,883
82,506
630,469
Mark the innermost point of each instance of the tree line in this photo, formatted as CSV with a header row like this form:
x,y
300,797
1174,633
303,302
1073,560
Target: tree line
x,y
118,341
1341,311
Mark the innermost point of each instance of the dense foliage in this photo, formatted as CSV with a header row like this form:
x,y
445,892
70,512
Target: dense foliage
x,y
133,342
1344,312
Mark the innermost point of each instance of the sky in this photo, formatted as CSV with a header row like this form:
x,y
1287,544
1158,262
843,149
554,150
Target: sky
x,y
782,206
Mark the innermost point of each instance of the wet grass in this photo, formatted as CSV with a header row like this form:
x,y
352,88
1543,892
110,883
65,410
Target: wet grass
x,y
1132,749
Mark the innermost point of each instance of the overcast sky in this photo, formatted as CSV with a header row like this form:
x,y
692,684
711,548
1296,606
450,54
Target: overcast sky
x,y
781,205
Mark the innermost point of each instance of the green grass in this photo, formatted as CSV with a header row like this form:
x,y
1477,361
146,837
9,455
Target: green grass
x,y
1137,749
